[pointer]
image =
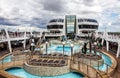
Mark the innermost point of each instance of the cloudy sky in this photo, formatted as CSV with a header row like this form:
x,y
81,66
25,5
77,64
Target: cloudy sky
x,y
39,12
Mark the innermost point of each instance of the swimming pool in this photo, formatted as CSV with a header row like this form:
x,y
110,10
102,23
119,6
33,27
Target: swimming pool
x,y
103,67
7,59
22,73
107,60
59,48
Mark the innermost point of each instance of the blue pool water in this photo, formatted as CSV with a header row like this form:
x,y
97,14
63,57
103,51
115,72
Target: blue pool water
x,y
107,60
7,59
22,73
66,48
59,48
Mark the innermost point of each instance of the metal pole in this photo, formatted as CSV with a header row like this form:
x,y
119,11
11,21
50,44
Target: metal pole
x,y
87,69
96,74
90,46
90,62
14,60
63,49
70,63
71,51
29,57
2,63
46,48
79,65
98,65
107,69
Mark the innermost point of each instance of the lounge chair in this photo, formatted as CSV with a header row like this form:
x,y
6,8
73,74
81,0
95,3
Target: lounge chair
x,y
50,62
56,63
63,62
44,62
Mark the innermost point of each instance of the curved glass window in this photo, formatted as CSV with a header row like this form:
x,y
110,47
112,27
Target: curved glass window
x,y
55,27
88,26
57,20
87,20
70,23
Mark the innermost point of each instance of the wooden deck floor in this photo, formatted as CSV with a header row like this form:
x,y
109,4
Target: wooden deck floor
x,y
115,73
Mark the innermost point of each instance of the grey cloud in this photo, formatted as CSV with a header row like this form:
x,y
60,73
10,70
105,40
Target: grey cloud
x,y
53,5
88,2
39,12
5,21
88,12
117,23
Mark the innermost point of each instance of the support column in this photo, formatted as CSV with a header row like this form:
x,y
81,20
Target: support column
x,y
9,42
24,44
118,50
31,33
107,45
102,41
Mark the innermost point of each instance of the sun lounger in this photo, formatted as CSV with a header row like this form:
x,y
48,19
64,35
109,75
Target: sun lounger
x,y
44,62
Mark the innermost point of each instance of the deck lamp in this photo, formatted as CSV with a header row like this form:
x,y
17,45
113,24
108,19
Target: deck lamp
x,y
90,41
63,46
32,45
95,43
46,46
71,49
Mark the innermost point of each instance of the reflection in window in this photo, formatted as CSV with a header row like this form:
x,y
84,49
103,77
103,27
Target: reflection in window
x,y
70,20
88,26
55,26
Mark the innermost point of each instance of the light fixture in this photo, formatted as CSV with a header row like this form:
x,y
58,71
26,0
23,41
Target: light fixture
x,y
63,43
71,45
46,46
46,42
95,43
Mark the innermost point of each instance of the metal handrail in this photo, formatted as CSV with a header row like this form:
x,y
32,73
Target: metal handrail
x,y
108,66
98,67
112,68
105,64
101,76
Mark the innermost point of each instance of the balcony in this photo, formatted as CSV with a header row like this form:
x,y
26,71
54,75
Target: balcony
x,y
53,34
83,35
87,23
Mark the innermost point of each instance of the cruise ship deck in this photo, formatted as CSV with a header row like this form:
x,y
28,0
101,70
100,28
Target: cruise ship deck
x,y
59,39
43,53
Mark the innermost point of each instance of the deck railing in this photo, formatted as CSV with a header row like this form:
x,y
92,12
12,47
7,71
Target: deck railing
x,y
75,65
110,37
86,69
108,71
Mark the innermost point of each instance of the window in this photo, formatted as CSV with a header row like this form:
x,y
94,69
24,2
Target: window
x,y
55,26
88,26
70,23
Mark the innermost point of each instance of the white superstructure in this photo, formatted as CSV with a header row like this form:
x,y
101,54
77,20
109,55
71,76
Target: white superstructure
x,y
56,27
80,27
86,26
